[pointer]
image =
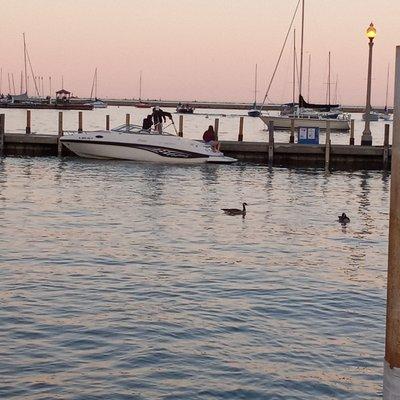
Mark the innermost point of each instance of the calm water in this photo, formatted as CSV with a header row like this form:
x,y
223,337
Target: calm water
x,y
126,281
45,121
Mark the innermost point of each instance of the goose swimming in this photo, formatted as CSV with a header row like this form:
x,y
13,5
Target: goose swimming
x,y
235,211
343,219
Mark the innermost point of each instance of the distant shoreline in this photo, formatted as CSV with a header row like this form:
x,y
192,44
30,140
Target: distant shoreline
x,y
223,105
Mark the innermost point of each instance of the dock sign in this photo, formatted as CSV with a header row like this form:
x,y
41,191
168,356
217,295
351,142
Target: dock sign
x,y
308,135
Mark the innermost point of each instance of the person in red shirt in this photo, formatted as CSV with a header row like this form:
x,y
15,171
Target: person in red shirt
x,y
210,138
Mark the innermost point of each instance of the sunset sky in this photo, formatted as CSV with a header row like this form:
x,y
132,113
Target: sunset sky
x,y
198,49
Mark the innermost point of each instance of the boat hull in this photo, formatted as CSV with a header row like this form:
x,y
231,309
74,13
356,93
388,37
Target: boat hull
x,y
284,123
142,148
254,113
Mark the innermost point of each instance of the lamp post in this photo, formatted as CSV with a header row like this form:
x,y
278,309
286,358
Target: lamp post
x,y
366,138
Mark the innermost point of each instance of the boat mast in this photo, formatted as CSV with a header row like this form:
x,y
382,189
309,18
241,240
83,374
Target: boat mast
x,y
140,85
329,78
50,86
1,79
26,74
95,84
255,86
20,88
301,48
294,68
309,76
387,88
12,76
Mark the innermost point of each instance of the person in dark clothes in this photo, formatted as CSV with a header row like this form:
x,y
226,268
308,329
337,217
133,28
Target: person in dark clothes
x,y
210,138
159,116
147,122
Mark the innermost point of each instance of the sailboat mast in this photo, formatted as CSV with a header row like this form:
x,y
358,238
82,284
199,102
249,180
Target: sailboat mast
x,y
309,77
387,88
1,80
294,68
25,67
140,85
95,83
329,78
255,85
302,46
50,86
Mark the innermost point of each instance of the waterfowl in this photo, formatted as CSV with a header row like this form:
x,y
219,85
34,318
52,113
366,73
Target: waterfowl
x,y
343,219
235,211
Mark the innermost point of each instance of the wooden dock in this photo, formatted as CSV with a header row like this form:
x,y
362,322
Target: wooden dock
x,y
327,156
341,157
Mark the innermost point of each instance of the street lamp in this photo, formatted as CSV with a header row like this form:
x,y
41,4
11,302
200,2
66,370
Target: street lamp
x,y
366,138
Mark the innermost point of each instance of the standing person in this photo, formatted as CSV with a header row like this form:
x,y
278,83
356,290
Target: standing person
x,y
210,138
159,116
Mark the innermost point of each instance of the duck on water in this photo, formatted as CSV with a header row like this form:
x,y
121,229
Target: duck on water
x,y
235,211
343,219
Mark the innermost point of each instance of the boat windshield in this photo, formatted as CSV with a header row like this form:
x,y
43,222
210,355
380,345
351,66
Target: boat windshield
x,y
130,128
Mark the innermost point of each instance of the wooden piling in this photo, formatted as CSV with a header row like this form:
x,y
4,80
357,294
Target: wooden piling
x,y
391,377
60,133
327,146
180,128
352,132
240,136
107,122
128,119
271,143
216,127
2,130
28,122
291,139
386,147
80,121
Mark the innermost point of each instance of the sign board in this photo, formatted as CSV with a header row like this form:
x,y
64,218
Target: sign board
x,y
308,135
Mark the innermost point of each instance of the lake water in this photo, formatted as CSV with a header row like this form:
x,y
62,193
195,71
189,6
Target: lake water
x,y
121,280
45,121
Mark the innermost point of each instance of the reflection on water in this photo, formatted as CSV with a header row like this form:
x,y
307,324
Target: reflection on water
x,y
123,280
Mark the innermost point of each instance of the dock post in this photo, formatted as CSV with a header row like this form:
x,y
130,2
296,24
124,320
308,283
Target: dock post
x,y
391,374
2,130
291,139
60,133
180,129
216,127
128,119
80,121
107,122
271,143
352,132
28,121
386,147
327,146
240,136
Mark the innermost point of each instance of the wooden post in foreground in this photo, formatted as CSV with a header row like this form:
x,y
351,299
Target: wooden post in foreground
x,y
107,122
327,146
80,121
271,143
391,374
60,133
240,136
291,139
352,132
2,130
180,128
386,147
128,119
216,127
28,121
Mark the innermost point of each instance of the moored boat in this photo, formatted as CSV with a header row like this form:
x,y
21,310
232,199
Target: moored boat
x,y
131,142
184,109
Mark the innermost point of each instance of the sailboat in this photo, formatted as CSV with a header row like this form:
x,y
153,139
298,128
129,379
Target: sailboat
x,y
307,114
254,112
141,104
96,103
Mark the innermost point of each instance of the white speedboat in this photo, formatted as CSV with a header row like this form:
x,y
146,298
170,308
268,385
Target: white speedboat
x,y
131,142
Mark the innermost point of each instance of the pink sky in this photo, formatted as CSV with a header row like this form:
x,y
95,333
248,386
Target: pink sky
x,y
198,49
